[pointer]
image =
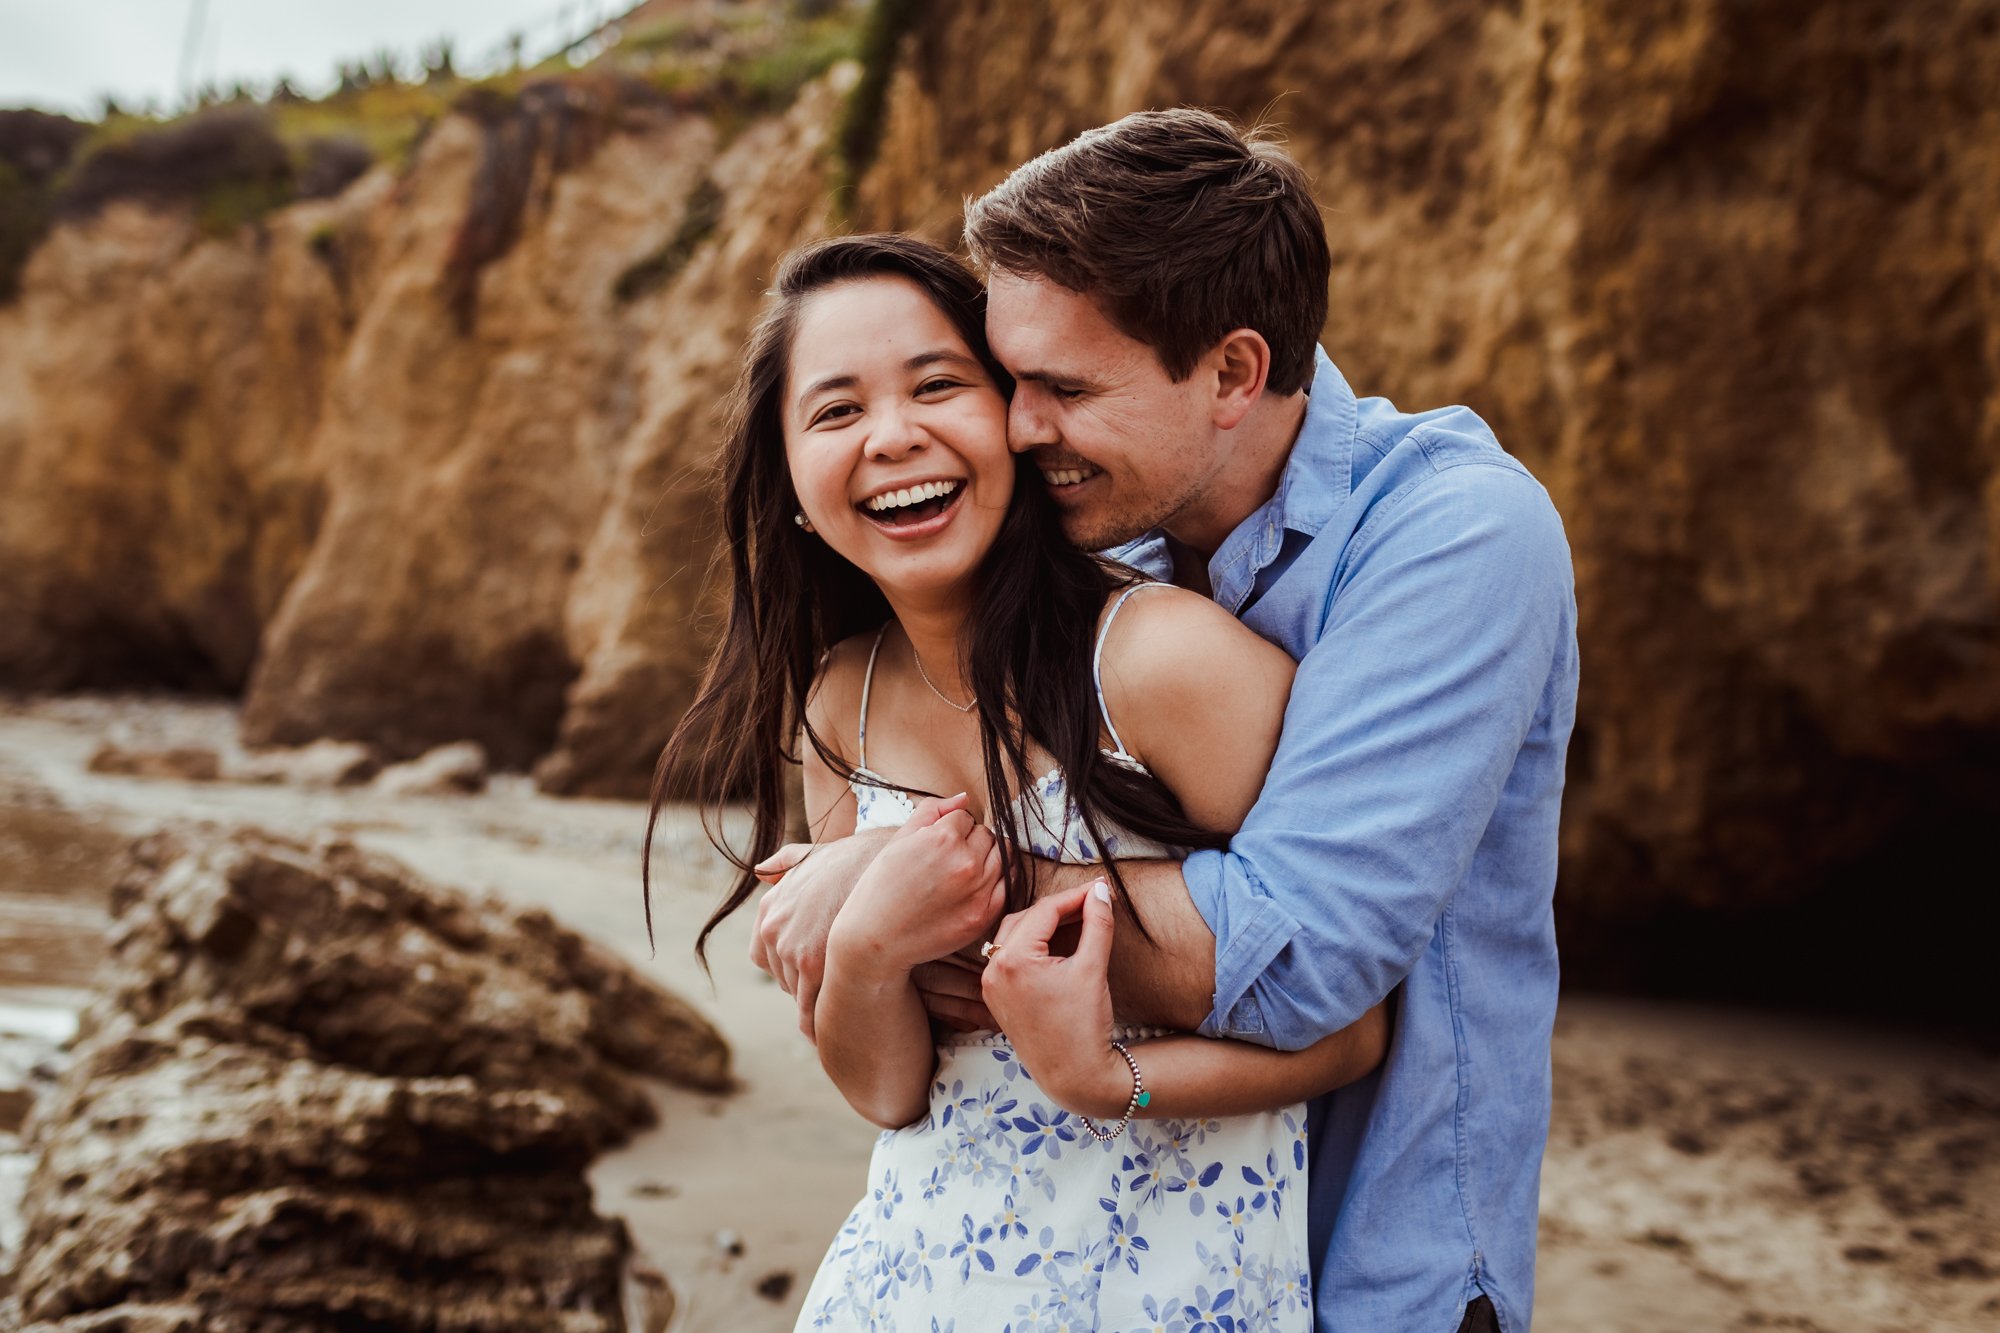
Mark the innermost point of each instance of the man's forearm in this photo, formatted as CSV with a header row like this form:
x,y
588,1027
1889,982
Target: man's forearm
x,y
1167,980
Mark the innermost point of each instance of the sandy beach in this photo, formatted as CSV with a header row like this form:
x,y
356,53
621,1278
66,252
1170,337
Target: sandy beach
x,y
1707,1169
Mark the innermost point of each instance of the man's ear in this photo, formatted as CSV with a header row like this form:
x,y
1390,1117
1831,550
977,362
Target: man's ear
x,y
1241,362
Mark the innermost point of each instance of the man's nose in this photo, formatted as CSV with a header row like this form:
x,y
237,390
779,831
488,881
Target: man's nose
x,y
1027,425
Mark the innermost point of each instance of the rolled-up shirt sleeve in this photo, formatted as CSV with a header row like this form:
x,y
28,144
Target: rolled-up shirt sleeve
x,y
1433,658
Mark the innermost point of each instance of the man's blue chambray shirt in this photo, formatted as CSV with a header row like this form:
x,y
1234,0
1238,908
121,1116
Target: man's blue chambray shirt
x,y
1406,834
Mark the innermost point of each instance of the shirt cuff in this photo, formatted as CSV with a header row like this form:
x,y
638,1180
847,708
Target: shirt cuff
x,y
1250,931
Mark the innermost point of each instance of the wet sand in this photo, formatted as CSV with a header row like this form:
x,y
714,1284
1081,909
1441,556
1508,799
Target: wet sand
x,y
1707,1169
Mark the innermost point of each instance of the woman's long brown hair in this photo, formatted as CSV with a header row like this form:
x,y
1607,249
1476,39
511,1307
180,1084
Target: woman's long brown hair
x,y
1027,646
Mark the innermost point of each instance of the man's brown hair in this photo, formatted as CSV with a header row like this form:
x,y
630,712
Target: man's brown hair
x,y
1179,226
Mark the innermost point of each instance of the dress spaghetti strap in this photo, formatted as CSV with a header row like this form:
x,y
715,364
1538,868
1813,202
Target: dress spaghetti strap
x,y
1097,663
868,683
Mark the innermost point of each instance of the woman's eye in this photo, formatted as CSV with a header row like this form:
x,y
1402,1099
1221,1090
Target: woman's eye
x,y
936,386
834,413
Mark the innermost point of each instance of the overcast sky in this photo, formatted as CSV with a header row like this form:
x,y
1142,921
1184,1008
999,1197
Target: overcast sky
x,y
63,55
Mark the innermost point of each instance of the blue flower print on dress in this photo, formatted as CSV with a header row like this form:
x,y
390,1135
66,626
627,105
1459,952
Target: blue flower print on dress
x,y
1169,1320
887,1195
996,1211
971,1250
1045,1133
1007,1223
1211,1313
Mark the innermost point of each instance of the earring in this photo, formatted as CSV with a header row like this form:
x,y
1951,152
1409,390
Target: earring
x,y
800,519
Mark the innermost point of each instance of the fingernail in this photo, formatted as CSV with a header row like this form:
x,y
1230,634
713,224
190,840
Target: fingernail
x,y
1101,891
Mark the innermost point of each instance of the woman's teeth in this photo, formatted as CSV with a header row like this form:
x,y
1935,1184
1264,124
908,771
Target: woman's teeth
x,y
1068,476
911,495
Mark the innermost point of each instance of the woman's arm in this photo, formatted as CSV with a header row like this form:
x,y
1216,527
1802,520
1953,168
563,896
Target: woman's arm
x,y
873,1036
939,876
873,1031
833,708
935,884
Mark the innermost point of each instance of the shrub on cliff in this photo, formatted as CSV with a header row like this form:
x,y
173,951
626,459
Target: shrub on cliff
x,y
329,165
228,163
861,124
34,148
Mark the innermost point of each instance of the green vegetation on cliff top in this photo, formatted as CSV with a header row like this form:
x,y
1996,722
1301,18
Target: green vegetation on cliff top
x,y
234,160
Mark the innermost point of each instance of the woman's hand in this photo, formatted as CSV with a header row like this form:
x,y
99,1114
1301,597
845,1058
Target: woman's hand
x,y
1057,1011
934,888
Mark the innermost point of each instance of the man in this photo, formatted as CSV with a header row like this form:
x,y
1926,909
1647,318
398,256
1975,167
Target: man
x,y
1157,288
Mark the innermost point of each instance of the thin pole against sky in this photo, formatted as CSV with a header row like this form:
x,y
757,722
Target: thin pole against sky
x,y
191,47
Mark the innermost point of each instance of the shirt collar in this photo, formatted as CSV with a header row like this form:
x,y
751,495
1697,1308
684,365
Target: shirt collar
x,y
1317,478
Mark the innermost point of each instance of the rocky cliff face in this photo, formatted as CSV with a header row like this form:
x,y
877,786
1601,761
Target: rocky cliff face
x,y
383,463
1723,276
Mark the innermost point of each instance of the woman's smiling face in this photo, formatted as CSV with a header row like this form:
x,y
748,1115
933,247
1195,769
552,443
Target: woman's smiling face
x,y
896,435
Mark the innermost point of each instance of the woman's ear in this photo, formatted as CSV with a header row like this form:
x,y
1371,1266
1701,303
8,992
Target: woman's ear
x,y
1241,362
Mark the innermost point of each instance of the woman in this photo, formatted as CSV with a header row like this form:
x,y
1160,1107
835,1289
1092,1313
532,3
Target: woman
x,y
902,598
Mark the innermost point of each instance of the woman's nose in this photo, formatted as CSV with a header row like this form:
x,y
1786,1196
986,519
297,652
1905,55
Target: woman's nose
x,y
896,434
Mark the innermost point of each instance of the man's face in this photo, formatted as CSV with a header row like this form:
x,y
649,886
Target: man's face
x,y
1121,446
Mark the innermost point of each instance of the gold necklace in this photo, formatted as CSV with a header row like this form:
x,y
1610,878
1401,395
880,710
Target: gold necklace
x,y
965,707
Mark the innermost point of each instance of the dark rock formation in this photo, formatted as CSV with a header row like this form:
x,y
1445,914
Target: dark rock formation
x,y
456,769
316,1092
185,763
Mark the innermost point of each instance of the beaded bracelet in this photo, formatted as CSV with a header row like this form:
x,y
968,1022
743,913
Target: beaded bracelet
x,y
1140,1097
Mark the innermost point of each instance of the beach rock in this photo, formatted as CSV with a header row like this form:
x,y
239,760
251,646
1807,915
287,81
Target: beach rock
x,y
456,769
186,763
29,1063
315,1089
323,763
31,1058
650,1305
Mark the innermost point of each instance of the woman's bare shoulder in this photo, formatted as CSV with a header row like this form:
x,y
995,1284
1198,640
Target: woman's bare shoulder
x,y
1162,632
1169,650
834,706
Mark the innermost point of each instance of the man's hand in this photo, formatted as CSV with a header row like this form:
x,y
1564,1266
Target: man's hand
x,y
809,882
951,992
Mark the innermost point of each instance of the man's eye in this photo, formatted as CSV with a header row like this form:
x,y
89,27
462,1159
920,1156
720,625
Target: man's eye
x,y
1067,395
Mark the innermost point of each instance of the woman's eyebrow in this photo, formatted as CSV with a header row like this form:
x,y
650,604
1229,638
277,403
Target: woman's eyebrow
x,y
848,381
821,386
935,355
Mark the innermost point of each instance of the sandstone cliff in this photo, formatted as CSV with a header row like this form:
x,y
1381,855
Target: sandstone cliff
x,y
1723,276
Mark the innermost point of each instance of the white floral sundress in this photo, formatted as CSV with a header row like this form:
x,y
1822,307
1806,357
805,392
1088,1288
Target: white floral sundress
x,y
998,1213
